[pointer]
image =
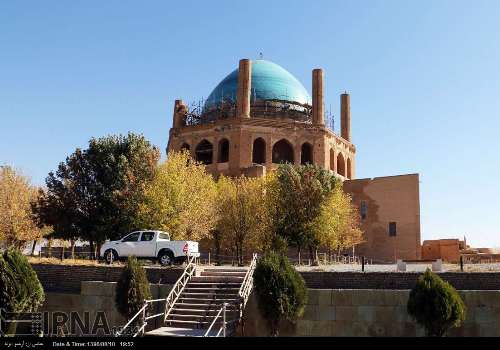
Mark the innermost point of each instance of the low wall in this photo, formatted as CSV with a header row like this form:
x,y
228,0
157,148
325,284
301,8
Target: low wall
x,y
95,297
397,280
362,313
69,278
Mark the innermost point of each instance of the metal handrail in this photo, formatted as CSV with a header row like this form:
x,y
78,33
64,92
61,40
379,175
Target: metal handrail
x,y
247,283
223,311
243,293
179,287
142,311
188,272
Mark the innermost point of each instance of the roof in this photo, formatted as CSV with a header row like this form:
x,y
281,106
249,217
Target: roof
x,y
269,81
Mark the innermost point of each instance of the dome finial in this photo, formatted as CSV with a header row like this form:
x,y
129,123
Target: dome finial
x,y
261,56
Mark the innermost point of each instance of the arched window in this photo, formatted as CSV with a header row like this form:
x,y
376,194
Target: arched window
x,y
306,153
223,151
332,159
283,152
340,165
349,170
204,152
259,151
185,146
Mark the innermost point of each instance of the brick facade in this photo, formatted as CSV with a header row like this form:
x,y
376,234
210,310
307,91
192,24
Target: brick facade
x,y
388,199
68,278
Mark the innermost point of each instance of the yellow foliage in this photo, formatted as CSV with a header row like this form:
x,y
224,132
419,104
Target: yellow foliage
x,y
243,213
16,218
337,226
181,199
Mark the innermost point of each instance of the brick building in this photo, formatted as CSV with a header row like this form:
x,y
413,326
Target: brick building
x,y
260,115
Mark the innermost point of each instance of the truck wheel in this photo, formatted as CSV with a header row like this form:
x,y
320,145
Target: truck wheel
x,y
166,258
110,255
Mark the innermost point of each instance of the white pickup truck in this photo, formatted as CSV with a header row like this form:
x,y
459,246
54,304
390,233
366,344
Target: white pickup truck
x,y
150,245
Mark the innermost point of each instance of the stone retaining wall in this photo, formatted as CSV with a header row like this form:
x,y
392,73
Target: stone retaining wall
x,y
95,297
397,280
358,313
68,278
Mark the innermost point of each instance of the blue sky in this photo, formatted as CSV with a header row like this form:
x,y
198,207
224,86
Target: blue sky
x,y
424,78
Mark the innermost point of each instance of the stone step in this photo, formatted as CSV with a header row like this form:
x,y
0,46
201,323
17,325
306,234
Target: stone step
x,y
212,289
198,324
209,295
179,332
207,305
202,312
225,270
208,300
229,279
222,274
202,283
199,318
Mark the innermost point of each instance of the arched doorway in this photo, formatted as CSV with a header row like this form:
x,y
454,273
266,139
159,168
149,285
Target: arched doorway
x,y
306,153
223,151
283,152
204,152
332,159
349,170
340,165
259,151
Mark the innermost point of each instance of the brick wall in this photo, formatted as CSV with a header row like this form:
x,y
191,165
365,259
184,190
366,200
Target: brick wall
x,y
67,278
398,280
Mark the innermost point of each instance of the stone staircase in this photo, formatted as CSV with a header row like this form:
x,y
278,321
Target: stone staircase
x,y
203,302
203,296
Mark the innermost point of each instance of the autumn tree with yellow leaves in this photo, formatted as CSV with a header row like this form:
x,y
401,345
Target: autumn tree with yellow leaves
x,y
180,199
243,216
337,225
17,224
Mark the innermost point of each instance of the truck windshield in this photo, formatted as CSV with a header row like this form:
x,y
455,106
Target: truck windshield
x,y
164,235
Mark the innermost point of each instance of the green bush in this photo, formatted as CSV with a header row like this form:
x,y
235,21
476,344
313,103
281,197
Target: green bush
x,y
132,289
280,289
20,289
435,305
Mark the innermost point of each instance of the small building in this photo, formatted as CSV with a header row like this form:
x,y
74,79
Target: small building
x,y
447,250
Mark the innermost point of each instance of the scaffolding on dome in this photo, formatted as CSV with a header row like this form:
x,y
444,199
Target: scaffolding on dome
x,y
197,114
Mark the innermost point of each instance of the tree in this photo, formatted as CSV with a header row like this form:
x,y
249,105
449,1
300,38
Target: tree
x,y
96,193
132,290
337,225
242,213
17,224
180,199
300,192
281,291
20,289
435,305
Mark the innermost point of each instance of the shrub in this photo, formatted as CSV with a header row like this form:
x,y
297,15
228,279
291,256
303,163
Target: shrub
x,y
280,289
435,305
279,244
20,289
132,290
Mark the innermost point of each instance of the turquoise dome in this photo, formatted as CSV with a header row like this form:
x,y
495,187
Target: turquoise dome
x,y
269,81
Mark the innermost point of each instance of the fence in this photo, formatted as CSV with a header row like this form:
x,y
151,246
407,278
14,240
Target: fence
x,y
82,253
322,258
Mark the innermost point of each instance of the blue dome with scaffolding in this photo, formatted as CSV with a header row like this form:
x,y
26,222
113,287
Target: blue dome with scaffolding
x,y
269,82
